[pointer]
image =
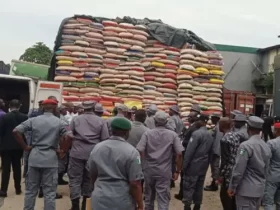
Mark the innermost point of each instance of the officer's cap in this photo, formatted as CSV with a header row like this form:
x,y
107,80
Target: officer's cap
x,y
195,108
255,122
88,104
121,123
122,107
216,114
98,108
175,108
202,117
161,117
240,118
236,112
152,108
49,102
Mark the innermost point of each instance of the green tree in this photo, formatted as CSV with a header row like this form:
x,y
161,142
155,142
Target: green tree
x,y
38,53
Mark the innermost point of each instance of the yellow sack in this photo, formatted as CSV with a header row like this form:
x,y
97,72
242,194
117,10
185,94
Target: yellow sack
x,y
65,63
201,70
131,104
217,72
158,64
217,81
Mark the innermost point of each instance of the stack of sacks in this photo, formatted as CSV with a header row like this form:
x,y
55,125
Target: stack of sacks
x,y
205,90
161,64
79,59
123,75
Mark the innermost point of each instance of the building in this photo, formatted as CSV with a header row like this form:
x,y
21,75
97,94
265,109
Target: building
x,y
240,66
4,68
267,56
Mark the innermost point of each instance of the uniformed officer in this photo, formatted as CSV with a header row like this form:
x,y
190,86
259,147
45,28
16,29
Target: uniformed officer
x,y
137,127
174,122
88,130
215,157
195,164
43,161
234,113
187,133
240,126
116,177
151,111
272,186
122,110
248,176
157,147
98,109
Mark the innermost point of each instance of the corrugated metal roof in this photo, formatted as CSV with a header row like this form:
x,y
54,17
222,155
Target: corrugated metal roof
x,y
240,49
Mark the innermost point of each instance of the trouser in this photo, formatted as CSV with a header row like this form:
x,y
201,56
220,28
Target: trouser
x,y
62,164
36,177
193,189
215,164
271,195
8,158
248,203
182,179
79,181
25,163
156,186
227,202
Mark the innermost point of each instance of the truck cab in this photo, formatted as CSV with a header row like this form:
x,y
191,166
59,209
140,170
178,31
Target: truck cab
x,y
28,89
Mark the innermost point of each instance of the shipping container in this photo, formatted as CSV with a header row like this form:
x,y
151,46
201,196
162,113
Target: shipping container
x,y
242,101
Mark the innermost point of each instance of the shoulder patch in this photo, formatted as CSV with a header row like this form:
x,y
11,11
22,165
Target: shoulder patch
x,y
191,139
242,152
138,160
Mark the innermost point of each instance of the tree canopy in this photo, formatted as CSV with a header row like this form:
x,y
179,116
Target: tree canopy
x,y
38,53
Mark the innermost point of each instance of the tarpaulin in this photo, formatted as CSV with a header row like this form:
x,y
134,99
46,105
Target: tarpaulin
x,y
162,32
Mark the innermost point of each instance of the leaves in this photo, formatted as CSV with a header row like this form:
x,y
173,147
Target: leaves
x,y
38,53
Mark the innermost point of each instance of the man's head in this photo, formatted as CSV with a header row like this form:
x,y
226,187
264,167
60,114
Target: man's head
x,y
152,110
115,111
215,117
140,115
201,120
277,129
62,110
2,103
88,106
49,105
174,110
255,125
134,109
192,117
161,118
121,127
98,109
225,124
234,113
122,109
14,105
240,121
195,108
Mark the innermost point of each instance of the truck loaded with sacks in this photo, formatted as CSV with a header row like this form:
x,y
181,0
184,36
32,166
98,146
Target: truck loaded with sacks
x,y
136,62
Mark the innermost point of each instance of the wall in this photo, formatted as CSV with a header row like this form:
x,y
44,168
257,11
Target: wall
x,y
238,67
267,58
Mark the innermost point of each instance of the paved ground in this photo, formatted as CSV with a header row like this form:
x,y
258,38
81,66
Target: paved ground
x,y
210,201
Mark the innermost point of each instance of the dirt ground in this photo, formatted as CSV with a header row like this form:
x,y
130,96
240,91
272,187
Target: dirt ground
x,y
211,200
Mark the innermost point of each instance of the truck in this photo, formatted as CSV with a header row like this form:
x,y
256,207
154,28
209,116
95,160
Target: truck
x,y
30,87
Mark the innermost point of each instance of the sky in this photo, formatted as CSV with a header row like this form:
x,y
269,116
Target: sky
x,y
240,22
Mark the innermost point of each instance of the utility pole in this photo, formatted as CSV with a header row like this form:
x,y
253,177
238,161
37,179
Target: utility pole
x,y
276,86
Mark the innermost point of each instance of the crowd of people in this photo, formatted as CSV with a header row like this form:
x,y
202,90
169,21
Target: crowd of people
x,y
129,160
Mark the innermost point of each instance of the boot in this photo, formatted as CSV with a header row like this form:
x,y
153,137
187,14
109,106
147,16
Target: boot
x,y
212,187
172,184
196,207
178,196
61,181
187,207
75,204
84,203
58,196
40,194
